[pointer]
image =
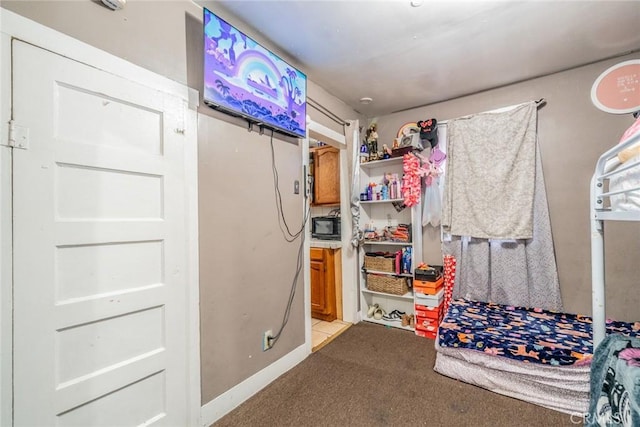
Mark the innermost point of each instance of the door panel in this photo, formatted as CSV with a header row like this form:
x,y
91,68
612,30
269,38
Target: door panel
x,y
123,194
85,271
115,409
318,287
99,248
327,176
89,118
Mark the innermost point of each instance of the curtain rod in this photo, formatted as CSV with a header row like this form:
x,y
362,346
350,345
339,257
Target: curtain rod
x,y
326,112
539,103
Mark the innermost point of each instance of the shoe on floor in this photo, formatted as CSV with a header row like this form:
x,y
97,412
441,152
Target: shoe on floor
x,y
379,313
406,319
372,309
394,316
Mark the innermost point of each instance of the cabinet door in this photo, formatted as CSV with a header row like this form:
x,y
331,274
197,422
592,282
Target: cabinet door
x,y
323,292
327,176
318,287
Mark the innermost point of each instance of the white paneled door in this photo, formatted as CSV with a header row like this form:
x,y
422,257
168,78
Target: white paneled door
x,y
99,247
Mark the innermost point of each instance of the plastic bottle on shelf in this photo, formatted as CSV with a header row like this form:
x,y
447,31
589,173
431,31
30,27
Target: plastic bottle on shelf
x,y
364,153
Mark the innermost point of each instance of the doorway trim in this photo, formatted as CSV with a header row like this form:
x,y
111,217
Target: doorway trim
x,y
14,26
349,261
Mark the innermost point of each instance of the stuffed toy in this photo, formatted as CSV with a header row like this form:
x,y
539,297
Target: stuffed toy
x,y
428,131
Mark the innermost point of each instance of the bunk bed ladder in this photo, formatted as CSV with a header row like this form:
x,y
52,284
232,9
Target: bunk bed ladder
x,y
597,265
607,166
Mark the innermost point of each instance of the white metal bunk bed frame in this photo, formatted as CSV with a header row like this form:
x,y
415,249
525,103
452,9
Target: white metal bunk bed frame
x,y
600,212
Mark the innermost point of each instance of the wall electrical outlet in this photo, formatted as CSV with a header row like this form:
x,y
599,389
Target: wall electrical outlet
x,y
266,340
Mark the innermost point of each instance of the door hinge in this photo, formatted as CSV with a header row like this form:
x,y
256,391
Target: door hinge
x,y
18,136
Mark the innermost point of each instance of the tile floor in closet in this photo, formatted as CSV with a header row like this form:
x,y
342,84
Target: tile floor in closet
x,y
322,333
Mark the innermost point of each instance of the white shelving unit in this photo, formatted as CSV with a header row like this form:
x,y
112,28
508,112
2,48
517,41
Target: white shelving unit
x,y
380,214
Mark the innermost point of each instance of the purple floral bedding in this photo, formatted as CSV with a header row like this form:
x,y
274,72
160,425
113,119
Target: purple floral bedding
x,y
525,334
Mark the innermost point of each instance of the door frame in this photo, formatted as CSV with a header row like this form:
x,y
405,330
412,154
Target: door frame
x,y
14,26
343,142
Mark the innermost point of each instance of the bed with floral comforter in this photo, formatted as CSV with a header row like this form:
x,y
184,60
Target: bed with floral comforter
x,y
539,356
525,334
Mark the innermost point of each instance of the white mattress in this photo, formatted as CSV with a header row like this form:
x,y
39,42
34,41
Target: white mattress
x,y
562,388
626,180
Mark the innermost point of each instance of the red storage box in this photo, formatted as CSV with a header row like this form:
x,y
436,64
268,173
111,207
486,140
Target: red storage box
x,y
426,324
426,327
425,334
434,313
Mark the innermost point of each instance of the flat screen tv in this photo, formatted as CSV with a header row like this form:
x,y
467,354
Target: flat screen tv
x,y
245,79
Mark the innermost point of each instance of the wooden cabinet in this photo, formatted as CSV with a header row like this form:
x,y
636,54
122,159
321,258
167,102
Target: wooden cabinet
x,y
326,176
323,284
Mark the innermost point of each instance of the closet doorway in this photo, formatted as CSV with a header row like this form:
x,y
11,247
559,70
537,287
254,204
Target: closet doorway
x,y
331,309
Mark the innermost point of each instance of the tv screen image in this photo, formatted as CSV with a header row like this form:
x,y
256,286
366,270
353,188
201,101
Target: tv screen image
x,y
243,78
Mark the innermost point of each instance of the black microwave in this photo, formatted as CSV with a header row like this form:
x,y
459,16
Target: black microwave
x,y
325,227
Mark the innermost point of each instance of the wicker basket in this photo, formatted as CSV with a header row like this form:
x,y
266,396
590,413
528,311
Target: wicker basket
x,y
380,263
387,284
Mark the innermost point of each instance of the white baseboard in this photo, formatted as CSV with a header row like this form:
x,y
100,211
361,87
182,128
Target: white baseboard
x,y
232,398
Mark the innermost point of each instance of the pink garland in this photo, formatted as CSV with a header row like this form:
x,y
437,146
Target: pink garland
x,y
411,180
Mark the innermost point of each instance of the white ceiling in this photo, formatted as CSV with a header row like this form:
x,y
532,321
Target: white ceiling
x,y
404,56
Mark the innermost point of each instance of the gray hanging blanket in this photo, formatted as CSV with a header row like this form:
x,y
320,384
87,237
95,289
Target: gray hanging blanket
x,y
490,174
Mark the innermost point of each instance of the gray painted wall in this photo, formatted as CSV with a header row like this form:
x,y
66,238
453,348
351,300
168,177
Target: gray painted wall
x,y
572,135
246,267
